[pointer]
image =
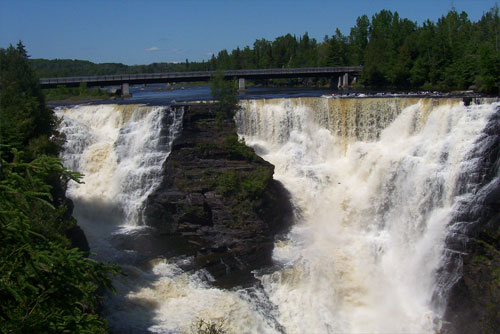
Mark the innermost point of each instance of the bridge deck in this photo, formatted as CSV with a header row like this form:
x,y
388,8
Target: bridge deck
x,y
110,80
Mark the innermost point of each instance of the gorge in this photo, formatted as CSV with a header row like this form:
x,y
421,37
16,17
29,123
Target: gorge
x,y
382,215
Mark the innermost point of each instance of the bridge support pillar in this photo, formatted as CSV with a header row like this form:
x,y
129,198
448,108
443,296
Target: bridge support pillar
x,y
125,90
345,83
241,85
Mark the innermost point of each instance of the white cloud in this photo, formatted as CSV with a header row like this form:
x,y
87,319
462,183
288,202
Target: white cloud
x,y
153,48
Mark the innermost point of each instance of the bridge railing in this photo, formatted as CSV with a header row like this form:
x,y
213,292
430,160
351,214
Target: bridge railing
x,y
202,75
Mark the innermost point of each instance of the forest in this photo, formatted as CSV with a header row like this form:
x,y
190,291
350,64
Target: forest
x,y
453,53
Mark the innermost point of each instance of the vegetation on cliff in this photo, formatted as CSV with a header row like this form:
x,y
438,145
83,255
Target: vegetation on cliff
x,y
46,285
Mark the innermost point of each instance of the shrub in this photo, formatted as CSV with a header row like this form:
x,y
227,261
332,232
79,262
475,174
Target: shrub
x,y
238,150
209,327
244,185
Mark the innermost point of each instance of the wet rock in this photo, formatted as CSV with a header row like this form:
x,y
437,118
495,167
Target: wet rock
x,y
473,305
78,239
219,196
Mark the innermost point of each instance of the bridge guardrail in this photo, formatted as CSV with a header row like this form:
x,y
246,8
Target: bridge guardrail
x,y
202,75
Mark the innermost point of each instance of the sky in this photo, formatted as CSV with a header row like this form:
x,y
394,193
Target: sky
x,y
143,32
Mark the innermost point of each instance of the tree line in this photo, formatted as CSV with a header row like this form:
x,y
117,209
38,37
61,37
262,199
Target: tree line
x,y
453,53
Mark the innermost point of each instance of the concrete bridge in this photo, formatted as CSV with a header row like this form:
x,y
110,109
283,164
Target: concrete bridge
x,y
342,75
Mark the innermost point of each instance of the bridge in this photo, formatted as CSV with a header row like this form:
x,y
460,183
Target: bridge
x,y
339,74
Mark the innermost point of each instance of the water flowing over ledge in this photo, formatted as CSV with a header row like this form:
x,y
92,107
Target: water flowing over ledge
x,y
377,184
120,150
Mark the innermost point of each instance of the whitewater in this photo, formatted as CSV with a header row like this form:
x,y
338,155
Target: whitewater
x,y
374,183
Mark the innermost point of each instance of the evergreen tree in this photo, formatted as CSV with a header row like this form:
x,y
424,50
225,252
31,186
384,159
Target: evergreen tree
x,y
337,50
26,122
224,92
45,286
358,40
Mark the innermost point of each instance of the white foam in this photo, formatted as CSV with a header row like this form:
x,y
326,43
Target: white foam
x,y
374,213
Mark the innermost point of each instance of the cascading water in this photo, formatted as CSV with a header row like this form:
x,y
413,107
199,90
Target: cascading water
x,y
120,151
374,181
375,189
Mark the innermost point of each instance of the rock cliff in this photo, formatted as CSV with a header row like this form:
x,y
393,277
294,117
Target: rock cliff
x,y
218,198
474,301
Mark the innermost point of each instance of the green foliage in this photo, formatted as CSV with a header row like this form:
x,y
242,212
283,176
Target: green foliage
x,y
196,211
452,54
82,92
228,182
244,185
202,326
224,91
238,150
207,148
45,287
21,181
489,73
337,50
24,117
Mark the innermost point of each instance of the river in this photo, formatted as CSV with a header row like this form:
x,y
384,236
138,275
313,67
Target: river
x,y
374,181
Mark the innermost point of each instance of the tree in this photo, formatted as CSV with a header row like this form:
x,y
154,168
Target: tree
x,y
45,285
27,124
358,40
387,58
489,69
224,92
263,53
337,51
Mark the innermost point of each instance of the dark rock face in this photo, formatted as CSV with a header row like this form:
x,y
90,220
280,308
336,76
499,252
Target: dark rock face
x,y
78,239
219,197
74,233
474,301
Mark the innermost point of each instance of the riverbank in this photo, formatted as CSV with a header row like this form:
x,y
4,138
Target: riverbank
x,y
82,94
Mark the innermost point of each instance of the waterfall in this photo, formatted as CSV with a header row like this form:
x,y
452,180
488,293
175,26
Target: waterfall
x,y
375,182
120,150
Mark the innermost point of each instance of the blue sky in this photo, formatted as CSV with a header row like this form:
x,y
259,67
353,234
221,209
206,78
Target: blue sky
x,y
142,32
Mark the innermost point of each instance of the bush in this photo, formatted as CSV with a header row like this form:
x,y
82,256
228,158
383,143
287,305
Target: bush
x,y
209,327
244,185
238,150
